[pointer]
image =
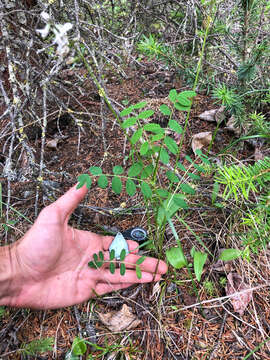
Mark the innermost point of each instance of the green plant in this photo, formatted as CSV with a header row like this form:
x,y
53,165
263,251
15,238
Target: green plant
x,y
98,261
152,48
258,125
223,281
2,311
209,287
38,346
240,180
228,98
154,155
79,348
257,226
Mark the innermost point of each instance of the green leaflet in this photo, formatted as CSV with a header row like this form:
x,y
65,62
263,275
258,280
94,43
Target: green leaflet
x,y
183,100
144,148
84,179
181,166
145,114
112,267
118,170
135,169
180,107
164,156
138,272
140,260
171,145
146,190
187,189
103,181
116,185
126,111
130,187
172,176
153,127
173,95
122,269
136,136
139,105
175,126
165,110
129,122
95,170
147,171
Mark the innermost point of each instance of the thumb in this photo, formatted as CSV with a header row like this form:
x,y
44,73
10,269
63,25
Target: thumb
x,y
68,202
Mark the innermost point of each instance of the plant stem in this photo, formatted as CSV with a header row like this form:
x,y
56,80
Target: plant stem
x,y
101,91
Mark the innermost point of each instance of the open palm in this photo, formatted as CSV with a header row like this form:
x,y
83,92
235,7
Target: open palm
x,y
51,260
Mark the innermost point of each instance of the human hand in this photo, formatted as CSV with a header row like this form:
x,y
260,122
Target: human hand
x,y
49,264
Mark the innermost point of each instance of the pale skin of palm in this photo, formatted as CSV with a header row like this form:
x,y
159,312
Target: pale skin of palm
x,y
48,267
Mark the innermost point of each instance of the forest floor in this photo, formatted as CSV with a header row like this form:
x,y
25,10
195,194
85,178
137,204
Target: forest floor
x,y
172,324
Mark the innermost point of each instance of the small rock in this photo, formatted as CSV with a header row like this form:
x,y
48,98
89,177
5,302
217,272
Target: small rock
x,y
171,288
27,193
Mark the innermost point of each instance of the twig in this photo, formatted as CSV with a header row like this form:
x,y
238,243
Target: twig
x,y
219,336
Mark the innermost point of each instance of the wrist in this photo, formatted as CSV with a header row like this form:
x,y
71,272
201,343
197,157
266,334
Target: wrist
x,y
9,284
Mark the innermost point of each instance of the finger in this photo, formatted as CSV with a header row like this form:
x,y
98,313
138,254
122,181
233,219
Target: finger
x,y
68,202
150,264
104,288
130,276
